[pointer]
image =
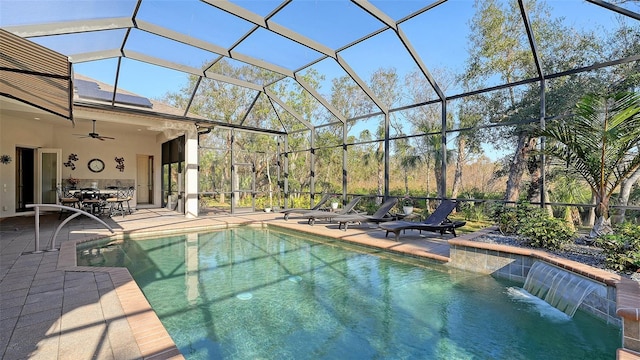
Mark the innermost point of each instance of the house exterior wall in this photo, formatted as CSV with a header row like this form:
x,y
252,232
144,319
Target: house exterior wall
x,y
18,131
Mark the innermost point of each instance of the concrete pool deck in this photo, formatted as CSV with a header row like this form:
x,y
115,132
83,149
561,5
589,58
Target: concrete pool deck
x,y
52,309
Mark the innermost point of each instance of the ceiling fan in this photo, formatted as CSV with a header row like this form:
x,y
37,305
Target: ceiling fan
x,y
94,135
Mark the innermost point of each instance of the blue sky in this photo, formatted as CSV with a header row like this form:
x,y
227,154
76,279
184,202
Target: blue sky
x,y
439,36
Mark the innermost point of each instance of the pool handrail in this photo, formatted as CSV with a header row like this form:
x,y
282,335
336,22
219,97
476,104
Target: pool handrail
x,y
77,212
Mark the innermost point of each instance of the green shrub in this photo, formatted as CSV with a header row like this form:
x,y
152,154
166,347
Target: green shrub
x,y
472,211
508,217
622,248
534,224
544,231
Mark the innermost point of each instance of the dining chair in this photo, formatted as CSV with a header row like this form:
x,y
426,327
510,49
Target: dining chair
x,y
66,199
116,202
91,200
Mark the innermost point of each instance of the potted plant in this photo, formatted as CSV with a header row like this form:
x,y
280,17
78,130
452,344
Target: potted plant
x,y
335,202
72,182
407,205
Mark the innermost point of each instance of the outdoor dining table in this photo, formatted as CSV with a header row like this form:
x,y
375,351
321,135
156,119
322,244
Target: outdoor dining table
x,y
93,204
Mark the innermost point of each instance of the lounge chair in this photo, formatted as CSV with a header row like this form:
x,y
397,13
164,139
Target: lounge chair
x,y
312,216
381,215
438,221
318,206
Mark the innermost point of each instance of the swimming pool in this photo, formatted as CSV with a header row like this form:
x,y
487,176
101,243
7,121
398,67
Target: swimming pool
x,y
249,293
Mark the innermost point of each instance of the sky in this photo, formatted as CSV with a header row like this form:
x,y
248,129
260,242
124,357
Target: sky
x,y
439,36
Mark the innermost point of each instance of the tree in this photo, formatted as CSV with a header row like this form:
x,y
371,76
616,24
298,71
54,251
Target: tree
x,y
498,48
625,192
600,144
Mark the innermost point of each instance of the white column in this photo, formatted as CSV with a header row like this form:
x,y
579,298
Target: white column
x,y
191,173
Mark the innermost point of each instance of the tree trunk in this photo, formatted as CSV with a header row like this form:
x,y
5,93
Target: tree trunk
x,y
438,173
534,193
406,180
625,192
380,182
270,184
518,165
602,225
457,177
427,177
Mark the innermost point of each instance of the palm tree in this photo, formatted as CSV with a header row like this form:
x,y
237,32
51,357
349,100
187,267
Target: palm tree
x,y
599,143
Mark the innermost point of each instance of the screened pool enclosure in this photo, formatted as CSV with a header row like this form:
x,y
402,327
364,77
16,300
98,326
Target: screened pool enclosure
x,y
287,100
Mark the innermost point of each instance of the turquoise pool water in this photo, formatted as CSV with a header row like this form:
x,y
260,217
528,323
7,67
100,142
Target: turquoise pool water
x,y
250,293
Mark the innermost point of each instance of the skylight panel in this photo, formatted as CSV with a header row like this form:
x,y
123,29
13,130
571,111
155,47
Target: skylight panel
x,y
223,102
584,28
243,71
383,70
195,19
289,122
439,36
81,43
263,116
307,106
44,11
100,70
341,90
262,7
332,23
398,9
268,46
628,5
149,80
168,50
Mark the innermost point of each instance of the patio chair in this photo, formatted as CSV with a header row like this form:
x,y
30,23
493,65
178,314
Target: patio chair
x,y
381,215
312,216
438,221
116,203
91,201
128,197
318,206
66,199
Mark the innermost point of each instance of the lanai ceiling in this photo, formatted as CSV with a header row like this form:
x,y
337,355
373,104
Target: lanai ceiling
x,y
154,47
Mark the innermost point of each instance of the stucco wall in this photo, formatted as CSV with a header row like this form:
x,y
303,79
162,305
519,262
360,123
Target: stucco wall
x,y
30,133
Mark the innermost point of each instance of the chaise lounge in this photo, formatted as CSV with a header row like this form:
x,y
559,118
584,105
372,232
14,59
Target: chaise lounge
x,y
438,221
312,216
317,207
381,215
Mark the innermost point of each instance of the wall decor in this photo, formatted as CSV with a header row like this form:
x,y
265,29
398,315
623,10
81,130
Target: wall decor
x,y
5,159
96,165
120,163
70,163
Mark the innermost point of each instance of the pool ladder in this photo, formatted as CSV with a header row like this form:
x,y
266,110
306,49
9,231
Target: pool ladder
x,y
77,212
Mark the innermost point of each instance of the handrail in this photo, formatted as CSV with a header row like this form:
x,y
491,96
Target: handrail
x,y
78,212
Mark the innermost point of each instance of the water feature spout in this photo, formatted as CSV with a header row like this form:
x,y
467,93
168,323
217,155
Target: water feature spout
x,y
560,288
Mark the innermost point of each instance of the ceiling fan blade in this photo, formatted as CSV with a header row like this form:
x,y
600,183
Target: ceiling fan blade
x,y
106,137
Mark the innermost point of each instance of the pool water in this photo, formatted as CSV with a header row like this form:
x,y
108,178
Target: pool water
x,y
250,293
